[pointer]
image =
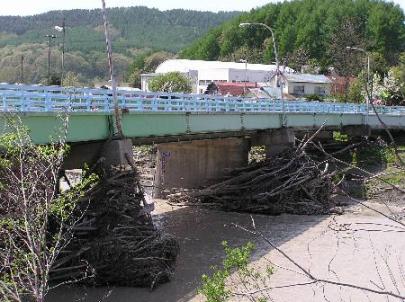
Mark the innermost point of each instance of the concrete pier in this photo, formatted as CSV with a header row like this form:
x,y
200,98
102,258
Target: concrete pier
x,y
275,141
197,163
112,152
356,132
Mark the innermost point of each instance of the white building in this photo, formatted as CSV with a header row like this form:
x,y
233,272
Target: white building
x,y
202,73
301,84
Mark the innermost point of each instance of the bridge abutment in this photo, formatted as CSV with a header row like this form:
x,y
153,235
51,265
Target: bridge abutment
x,y
194,164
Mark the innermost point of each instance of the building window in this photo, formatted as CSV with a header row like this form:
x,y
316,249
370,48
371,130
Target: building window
x,y
299,89
319,90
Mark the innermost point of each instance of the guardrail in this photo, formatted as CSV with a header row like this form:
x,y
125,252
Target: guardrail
x,y
36,98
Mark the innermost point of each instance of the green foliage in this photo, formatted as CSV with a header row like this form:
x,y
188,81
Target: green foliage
x,y
340,137
391,88
237,258
214,287
320,29
145,62
65,203
355,93
315,97
132,29
36,222
170,82
71,79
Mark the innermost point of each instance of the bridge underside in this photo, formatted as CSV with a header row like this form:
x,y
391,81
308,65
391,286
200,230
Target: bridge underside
x,y
143,127
193,149
199,160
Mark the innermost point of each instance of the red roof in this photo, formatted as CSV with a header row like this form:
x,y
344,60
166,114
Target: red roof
x,y
234,89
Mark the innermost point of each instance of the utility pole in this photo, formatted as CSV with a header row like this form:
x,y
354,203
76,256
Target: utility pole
x,y
50,37
22,69
117,113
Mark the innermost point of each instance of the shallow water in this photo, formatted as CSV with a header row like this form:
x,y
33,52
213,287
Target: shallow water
x,y
307,238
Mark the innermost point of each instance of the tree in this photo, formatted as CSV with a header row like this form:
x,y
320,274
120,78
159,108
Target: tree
x,y
134,79
71,80
298,59
322,28
36,223
145,62
170,82
355,93
348,34
390,89
154,60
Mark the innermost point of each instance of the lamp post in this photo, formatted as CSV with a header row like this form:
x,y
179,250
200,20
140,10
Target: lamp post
x,y
63,30
368,72
278,72
244,88
50,37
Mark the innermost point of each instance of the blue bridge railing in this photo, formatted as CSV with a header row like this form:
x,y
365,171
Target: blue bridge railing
x,y
36,98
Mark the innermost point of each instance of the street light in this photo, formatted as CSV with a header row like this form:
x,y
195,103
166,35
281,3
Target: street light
x,y
368,71
50,37
278,73
63,30
272,36
244,61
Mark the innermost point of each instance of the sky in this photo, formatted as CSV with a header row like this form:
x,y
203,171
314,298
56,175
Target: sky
x,y
31,7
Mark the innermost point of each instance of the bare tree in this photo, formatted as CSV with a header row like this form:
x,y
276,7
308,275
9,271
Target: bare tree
x,y
36,222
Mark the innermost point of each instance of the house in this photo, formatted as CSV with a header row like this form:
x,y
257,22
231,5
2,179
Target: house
x,y
304,84
202,73
230,89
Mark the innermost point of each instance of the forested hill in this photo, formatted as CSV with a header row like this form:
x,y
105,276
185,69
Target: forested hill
x,y
135,31
309,31
133,27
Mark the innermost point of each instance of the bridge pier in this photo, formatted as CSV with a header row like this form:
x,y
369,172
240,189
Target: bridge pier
x,y
193,164
112,152
275,141
356,132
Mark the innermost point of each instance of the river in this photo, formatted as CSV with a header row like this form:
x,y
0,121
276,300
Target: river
x,y
312,240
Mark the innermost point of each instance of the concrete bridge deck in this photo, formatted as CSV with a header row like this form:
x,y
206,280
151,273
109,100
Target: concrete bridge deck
x,y
148,115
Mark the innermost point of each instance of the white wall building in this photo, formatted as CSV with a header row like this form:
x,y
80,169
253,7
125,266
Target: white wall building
x,y
299,84
202,73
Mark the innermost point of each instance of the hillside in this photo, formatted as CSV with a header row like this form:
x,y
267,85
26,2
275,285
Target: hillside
x,y
134,30
310,32
133,27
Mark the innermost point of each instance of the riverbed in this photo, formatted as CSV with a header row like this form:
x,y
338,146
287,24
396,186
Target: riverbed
x,y
359,247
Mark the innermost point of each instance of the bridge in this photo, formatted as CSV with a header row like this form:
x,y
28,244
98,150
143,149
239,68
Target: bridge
x,y
210,132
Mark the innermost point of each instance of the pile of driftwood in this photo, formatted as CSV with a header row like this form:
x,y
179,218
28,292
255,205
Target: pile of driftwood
x,y
115,239
292,182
